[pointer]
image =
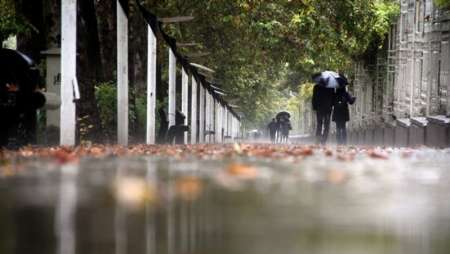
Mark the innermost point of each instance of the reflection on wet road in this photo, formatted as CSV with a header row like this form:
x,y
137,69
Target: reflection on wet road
x,y
382,201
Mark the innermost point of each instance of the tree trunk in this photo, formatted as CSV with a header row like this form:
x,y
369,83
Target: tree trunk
x,y
52,23
106,19
32,42
89,72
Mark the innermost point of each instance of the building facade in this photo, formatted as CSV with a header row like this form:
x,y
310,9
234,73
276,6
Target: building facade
x,y
408,85
410,82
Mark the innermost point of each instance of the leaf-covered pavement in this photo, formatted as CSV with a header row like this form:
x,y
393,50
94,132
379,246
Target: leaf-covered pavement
x,y
233,198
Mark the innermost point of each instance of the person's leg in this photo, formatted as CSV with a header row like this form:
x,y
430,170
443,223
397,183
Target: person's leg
x,y
339,133
326,126
344,133
319,127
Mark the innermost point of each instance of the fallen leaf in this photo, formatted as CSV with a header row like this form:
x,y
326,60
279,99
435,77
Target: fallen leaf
x,y
242,171
377,154
336,176
189,188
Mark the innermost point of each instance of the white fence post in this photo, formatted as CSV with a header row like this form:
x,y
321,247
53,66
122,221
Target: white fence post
x,y
222,122
68,71
184,99
202,115
225,124
151,87
208,116
194,111
217,120
232,127
172,87
122,75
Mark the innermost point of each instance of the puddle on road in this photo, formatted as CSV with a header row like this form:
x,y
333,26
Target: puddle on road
x,y
154,205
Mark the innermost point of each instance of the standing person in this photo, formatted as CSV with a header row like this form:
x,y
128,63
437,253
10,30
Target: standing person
x,y
20,98
322,103
285,127
341,113
272,127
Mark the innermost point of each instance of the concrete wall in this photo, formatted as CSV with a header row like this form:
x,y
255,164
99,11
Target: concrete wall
x,y
403,98
411,80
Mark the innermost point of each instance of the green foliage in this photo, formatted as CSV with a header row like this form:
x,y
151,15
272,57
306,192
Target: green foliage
x,y
10,23
106,97
386,12
443,3
141,110
306,91
260,48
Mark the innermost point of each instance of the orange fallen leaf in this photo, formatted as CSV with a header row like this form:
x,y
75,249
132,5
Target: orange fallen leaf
x,y
336,176
377,155
189,188
244,171
64,155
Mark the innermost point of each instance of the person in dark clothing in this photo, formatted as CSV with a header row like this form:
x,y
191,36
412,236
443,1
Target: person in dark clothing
x,y
322,103
163,127
341,113
284,128
20,98
272,127
176,132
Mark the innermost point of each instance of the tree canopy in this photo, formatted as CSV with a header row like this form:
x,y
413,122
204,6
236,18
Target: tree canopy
x,y
261,47
443,3
262,50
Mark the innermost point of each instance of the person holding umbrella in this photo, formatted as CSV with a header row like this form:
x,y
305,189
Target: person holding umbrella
x,y
19,98
341,113
322,102
284,126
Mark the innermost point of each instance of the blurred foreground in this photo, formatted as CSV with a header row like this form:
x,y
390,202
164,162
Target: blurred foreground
x,y
224,199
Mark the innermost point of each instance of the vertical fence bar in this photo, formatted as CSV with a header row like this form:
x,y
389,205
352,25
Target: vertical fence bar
x,y
151,87
184,99
122,75
194,111
172,87
217,120
222,123
211,118
208,116
235,124
232,127
68,71
202,115
226,122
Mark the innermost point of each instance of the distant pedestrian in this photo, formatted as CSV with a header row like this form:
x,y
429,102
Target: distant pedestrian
x,y
284,128
322,103
341,113
272,127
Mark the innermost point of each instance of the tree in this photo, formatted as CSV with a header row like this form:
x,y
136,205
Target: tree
x,y
10,23
443,3
259,48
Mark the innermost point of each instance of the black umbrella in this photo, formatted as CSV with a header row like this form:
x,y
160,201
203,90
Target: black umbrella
x,y
283,114
17,68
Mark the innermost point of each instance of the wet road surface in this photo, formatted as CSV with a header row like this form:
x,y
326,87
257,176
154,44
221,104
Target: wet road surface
x,y
226,199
